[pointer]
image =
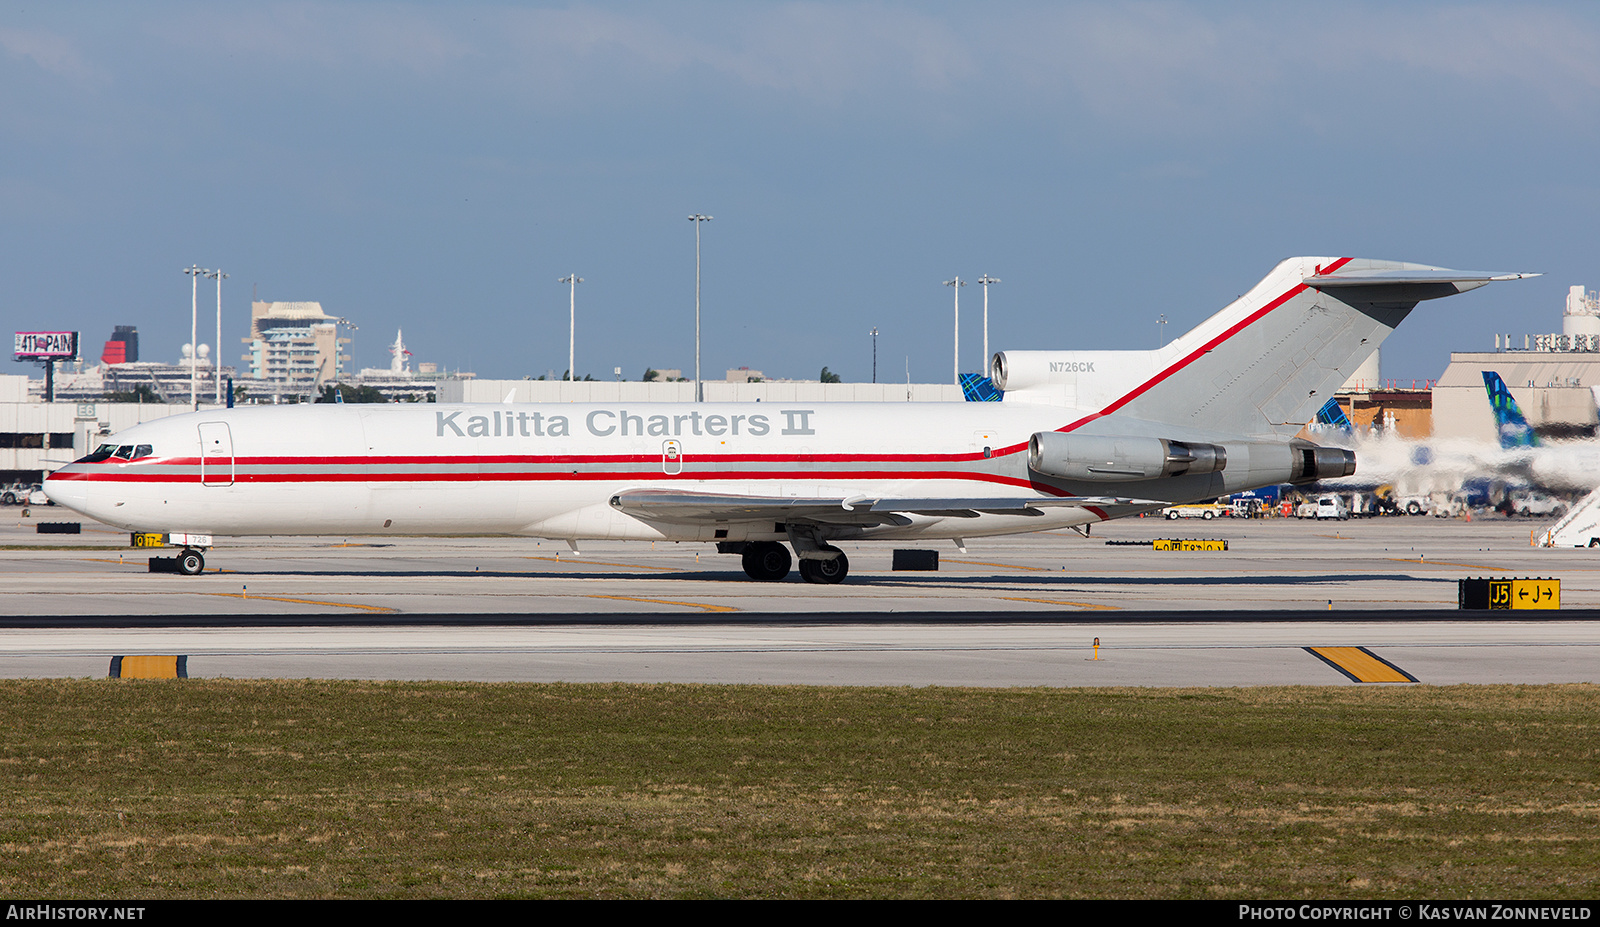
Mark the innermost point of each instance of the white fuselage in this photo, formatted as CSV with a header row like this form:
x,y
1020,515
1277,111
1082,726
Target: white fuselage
x,y
548,470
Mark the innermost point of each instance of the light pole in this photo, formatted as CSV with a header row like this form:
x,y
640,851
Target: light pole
x,y
874,334
572,326
986,280
194,271
216,364
957,283
699,390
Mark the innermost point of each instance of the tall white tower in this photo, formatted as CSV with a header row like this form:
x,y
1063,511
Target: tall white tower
x,y
399,363
1583,314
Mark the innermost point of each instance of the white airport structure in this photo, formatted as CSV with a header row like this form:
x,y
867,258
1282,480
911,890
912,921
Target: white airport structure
x,y
1554,378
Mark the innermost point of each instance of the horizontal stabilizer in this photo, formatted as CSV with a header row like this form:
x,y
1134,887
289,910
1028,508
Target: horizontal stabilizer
x,y
1344,278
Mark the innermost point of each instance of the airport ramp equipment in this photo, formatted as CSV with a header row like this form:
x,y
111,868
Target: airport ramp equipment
x,y
1580,527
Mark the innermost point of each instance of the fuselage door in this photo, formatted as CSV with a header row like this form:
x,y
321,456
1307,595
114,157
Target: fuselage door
x,y
216,454
671,457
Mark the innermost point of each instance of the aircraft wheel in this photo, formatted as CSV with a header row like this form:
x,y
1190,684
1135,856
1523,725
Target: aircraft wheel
x,y
826,572
767,561
190,563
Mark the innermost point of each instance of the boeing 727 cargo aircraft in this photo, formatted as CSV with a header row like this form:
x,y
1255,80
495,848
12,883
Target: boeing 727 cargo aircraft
x,y
1080,437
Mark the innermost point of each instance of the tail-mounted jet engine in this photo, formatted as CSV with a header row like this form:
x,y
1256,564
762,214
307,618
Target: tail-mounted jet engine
x,y
1309,462
1113,459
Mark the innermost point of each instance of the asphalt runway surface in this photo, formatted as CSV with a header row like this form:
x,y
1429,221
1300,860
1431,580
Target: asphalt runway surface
x,y
1290,602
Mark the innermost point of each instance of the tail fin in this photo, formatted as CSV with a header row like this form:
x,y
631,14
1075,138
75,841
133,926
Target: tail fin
x,y
1331,417
1261,366
975,387
1513,430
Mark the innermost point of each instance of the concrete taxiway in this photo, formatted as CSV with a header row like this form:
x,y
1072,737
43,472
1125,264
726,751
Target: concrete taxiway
x,y
1008,611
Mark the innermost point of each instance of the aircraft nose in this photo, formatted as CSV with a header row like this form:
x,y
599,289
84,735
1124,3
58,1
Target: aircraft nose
x,y
67,492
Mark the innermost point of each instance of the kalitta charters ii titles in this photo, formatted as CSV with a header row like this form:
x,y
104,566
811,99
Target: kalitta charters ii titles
x,y
603,423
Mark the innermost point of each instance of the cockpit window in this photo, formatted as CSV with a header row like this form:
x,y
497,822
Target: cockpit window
x,y
118,452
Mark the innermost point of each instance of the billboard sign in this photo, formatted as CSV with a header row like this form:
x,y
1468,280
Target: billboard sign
x,y
47,345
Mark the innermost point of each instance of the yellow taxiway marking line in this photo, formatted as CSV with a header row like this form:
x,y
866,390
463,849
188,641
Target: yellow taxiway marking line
x,y
1113,608
1470,566
629,598
1360,664
276,598
580,561
135,562
1007,566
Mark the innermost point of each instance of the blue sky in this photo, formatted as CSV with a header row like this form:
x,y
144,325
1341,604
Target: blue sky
x,y
437,167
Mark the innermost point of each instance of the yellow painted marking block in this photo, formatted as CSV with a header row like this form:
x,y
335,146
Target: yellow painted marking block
x,y
1360,665
149,667
1177,544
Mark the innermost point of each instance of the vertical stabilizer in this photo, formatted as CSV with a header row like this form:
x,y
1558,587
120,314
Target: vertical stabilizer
x,y
1262,366
1511,428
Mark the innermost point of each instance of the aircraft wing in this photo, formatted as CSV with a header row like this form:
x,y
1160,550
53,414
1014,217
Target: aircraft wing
x,y
671,505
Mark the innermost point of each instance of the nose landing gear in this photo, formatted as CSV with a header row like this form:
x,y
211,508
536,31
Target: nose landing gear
x,y
188,563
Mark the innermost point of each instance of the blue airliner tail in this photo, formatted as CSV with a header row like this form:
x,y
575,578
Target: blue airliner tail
x,y
976,387
1513,430
1331,417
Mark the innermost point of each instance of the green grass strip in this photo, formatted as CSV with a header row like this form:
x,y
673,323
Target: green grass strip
x,y
335,789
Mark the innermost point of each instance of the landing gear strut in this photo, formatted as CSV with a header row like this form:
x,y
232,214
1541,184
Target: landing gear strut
x,y
826,571
767,561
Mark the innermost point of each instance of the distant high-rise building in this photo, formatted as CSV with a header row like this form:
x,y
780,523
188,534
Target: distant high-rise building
x,y
295,345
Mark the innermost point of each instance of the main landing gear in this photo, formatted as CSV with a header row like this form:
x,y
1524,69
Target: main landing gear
x,y
769,562
826,571
766,561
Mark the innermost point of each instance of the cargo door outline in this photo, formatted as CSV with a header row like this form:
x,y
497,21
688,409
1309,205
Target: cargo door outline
x,y
216,454
671,457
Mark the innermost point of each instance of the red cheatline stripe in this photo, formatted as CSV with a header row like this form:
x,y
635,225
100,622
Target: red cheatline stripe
x,y
463,477
381,460
1194,355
